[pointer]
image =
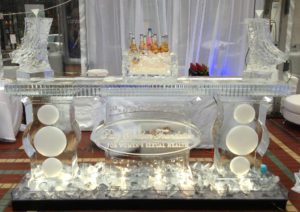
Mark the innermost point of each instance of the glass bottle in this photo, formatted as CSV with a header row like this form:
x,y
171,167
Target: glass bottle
x,y
133,48
149,38
130,38
142,46
164,46
154,46
145,42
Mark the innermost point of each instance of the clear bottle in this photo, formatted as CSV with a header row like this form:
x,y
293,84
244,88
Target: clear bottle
x,y
145,42
133,47
130,38
149,38
142,46
164,46
154,46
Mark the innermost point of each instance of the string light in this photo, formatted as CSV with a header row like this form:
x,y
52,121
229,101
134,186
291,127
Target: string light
x,y
49,8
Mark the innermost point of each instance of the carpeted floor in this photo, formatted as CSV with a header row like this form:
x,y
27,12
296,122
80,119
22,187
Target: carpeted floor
x,y
282,158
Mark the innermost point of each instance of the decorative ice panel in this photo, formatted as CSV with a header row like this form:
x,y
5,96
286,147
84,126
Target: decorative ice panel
x,y
32,55
51,139
264,56
153,134
241,138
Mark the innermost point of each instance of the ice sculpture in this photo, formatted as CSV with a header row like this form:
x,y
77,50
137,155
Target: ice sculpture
x,y
51,140
242,138
147,132
264,56
32,55
149,64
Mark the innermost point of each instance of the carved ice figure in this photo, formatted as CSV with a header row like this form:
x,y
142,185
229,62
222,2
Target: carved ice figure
x,y
32,55
263,56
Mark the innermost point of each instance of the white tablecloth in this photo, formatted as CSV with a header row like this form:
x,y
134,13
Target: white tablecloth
x,y
10,116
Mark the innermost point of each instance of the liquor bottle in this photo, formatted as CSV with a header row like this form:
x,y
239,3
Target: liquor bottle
x,y
164,46
193,70
142,46
154,46
133,47
145,42
130,38
149,38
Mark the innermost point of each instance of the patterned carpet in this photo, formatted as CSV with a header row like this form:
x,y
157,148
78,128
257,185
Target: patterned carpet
x,y
282,158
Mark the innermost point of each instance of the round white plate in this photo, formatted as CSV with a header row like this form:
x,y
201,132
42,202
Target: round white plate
x,y
244,114
52,167
48,114
50,141
240,165
241,140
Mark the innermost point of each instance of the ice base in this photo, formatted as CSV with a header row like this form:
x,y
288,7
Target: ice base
x,y
258,75
25,75
101,182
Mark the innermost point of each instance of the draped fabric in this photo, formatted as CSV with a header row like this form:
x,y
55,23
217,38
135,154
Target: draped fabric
x,y
10,116
212,32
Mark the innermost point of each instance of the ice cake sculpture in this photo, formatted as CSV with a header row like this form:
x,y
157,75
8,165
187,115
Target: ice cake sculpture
x,y
32,55
149,58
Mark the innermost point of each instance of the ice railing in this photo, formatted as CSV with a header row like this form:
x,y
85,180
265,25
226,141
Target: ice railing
x,y
166,87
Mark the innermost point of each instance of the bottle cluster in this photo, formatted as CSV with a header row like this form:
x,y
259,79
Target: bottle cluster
x,y
197,69
148,43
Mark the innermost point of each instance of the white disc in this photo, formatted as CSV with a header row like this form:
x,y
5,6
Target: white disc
x,y
52,167
240,165
244,114
241,140
50,141
48,114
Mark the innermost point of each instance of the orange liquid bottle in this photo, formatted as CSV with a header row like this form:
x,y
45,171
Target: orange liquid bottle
x,y
133,48
142,46
164,46
154,46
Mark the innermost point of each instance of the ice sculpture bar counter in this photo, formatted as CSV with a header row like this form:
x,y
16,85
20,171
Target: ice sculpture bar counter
x,y
148,129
